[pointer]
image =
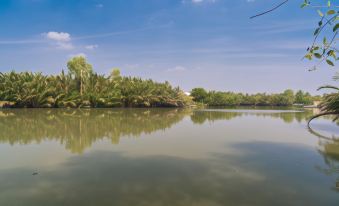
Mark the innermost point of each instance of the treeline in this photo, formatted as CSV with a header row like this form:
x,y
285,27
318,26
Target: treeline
x,y
217,98
82,87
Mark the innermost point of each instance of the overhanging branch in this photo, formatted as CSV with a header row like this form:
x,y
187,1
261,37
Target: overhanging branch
x,y
268,11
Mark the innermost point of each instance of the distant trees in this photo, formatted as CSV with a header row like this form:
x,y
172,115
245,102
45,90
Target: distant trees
x,y
81,87
303,98
218,98
199,94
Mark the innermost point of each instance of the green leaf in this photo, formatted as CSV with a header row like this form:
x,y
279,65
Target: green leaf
x,y
330,12
308,56
324,40
336,27
317,55
332,53
316,31
329,3
320,13
329,62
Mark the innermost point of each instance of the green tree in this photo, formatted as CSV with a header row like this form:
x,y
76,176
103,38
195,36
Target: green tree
x,y
303,98
199,95
115,75
80,70
288,97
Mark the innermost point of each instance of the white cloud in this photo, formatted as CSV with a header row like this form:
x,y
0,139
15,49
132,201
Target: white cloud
x,y
91,47
61,40
58,36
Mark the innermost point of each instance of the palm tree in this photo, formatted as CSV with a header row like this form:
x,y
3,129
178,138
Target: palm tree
x,y
329,105
81,87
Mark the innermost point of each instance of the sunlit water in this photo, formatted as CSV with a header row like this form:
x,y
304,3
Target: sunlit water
x,y
147,157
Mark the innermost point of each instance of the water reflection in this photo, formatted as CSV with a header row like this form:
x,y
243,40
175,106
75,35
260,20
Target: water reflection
x,y
79,129
328,147
201,116
254,171
111,178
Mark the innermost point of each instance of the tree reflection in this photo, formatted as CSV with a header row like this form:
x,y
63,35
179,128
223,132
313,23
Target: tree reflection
x,y
79,129
201,116
328,147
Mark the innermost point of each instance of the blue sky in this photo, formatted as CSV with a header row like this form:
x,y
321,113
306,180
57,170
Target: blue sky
x,y
190,43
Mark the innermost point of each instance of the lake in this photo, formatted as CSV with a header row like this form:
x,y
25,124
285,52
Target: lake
x,y
174,157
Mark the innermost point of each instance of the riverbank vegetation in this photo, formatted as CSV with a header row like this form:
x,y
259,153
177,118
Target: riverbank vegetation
x,y
286,98
330,104
82,87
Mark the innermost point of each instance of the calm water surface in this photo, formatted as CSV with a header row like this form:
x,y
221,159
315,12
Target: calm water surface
x,y
147,157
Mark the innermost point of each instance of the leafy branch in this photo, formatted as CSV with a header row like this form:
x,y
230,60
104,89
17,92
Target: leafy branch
x,y
326,50
327,26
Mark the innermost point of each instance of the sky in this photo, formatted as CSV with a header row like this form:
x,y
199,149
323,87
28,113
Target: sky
x,y
190,43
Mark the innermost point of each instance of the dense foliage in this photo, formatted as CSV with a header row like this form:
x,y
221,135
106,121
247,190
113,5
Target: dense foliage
x,y
217,98
330,105
81,87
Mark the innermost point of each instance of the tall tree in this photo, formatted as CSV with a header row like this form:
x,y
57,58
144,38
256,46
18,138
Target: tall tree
x,y
199,95
80,70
